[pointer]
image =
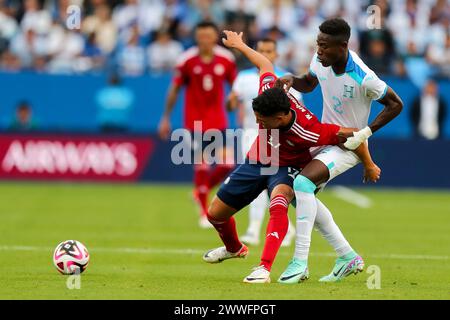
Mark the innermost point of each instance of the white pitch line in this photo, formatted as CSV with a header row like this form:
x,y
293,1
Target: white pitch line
x,y
199,251
351,196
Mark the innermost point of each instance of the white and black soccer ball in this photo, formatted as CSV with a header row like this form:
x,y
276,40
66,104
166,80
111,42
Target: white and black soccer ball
x,y
71,257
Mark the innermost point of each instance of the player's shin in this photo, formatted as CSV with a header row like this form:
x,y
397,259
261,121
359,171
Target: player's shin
x,y
330,231
276,230
305,214
227,232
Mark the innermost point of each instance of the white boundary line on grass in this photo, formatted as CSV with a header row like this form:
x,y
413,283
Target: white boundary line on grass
x,y
200,252
351,196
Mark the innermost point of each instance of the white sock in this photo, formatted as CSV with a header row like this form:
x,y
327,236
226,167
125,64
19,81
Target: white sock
x,y
306,215
257,210
330,231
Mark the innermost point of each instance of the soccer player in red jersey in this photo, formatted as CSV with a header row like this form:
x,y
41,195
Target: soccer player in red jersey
x,y
203,70
280,115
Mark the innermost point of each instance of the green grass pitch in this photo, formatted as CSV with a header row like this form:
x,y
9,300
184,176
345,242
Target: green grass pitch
x,y
145,244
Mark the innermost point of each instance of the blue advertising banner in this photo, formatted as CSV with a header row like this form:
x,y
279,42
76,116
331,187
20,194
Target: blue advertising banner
x,y
71,103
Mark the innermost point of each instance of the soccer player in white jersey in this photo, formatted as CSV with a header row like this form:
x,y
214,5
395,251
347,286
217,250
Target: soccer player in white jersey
x,y
348,89
244,90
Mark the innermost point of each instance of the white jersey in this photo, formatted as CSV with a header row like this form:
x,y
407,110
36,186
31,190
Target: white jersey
x,y
246,87
347,97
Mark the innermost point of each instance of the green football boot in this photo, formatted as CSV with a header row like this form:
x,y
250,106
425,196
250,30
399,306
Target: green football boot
x,y
344,266
296,271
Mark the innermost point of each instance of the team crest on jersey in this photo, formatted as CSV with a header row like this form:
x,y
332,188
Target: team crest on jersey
x,y
272,143
197,70
219,69
290,143
349,91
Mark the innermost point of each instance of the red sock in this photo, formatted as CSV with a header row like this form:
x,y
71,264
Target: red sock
x,y
220,172
227,232
276,230
201,173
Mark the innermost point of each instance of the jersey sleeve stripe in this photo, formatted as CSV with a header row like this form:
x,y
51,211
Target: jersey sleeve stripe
x,y
265,87
357,77
309,133
384,93
305,138
301,135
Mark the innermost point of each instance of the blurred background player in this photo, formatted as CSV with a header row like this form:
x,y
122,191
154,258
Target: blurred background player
x,y
245,89
114,105
428,112
23,119
203,70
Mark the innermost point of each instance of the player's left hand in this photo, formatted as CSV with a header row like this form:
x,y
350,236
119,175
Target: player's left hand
x,y
358,137
285,82
232,40
372,174
164,128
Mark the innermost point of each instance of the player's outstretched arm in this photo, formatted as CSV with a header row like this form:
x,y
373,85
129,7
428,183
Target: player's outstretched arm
x,y
164,127
305,83
234,40
351,138
345,133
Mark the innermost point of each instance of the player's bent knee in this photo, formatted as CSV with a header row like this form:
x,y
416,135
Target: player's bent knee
x,y
289,194
303,184
219,211
283,190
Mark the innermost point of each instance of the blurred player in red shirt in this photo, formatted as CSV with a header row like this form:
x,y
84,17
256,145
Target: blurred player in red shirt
x,y
203,70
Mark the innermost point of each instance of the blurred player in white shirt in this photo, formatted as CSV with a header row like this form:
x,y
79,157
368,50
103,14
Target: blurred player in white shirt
x,y
244,89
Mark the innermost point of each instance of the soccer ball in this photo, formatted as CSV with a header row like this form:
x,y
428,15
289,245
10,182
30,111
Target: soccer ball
x,y
71,257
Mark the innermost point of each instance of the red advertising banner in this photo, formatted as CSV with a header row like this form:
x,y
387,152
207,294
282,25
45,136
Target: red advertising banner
x,y
53,157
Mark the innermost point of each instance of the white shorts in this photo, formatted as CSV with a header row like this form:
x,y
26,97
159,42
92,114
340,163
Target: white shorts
x,y
337,160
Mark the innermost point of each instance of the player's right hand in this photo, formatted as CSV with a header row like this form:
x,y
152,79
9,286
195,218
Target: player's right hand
x,y
287,80
164,128
372,174
232,39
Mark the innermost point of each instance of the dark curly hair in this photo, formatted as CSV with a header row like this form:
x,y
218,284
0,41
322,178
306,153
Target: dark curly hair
x,y
336,27
271,102
207,24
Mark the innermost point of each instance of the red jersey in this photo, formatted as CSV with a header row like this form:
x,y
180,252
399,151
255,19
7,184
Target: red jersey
x,y
204,96
306,131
